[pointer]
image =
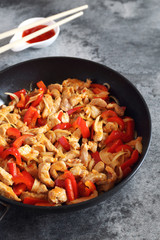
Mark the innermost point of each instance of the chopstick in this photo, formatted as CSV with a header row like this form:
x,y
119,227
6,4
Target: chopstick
x,y
39,32
42,21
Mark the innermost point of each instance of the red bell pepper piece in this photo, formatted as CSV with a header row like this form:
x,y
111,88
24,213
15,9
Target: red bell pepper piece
x,y
22,101
12,168
41,84
1,150
33,201
19,141
126,171
83,190
101,87
134,158
26,178
115,145
13,132
64,142
96,157
69,175
18,93
108,114
71,111
19,188
124,147
29,115
81,124
60,116
117,120
37,101
62,126
90,185
12,151
60,183
41,122
115,135
69,189
34,120
129,133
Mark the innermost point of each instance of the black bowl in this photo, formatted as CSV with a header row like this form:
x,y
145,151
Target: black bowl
x,y
55,70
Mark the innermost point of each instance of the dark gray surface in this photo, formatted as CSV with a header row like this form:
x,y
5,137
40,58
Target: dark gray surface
x,y
123,35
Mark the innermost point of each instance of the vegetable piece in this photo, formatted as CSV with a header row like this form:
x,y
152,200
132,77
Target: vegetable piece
x,y
123,147
33,201
12,168
129,134
108,114
18,93
60,116
19,188
29,115
41,122
69,175
62,126
1,150
24,177
101,87
83,190
12,151
60,183
19,141
81,124
96,157
13,132
115,135
34,120
41,84
115,145
117,120
126,171
64,142
134,158
37,101
71,111
69,189
22,101
90,185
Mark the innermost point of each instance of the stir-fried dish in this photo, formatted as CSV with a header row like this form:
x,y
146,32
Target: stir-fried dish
x,y
65,143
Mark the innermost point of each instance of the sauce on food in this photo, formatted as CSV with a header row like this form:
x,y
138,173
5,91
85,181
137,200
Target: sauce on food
x,y
41,37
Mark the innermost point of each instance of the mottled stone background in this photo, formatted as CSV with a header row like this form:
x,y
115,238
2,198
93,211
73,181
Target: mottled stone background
x,y
124,35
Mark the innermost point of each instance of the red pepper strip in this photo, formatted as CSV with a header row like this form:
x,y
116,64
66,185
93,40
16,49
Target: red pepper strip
x,y
33,201
12,168
26,178
101,87
12,151
115,145
108,114
41,122
117,120
29,115
19,141
22,101
41,84
69,189
1,150
96,157
62,126
131,161
126,171
71,111
60,116
34,120
60,183
129,134
19,188
45,204
124,147
37,101
69,175
83,191
80,123
115,135
13,132
26,101
90,185
18,93
64,142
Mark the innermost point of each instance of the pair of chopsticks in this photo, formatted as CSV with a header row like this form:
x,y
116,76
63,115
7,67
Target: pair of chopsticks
x,y
78,12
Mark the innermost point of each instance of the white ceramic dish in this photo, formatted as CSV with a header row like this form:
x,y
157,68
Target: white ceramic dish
x,y
41,44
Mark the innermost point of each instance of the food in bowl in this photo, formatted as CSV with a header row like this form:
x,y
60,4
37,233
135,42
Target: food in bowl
x,y
64,143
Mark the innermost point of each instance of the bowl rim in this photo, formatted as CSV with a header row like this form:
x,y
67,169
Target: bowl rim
x,y
104,195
